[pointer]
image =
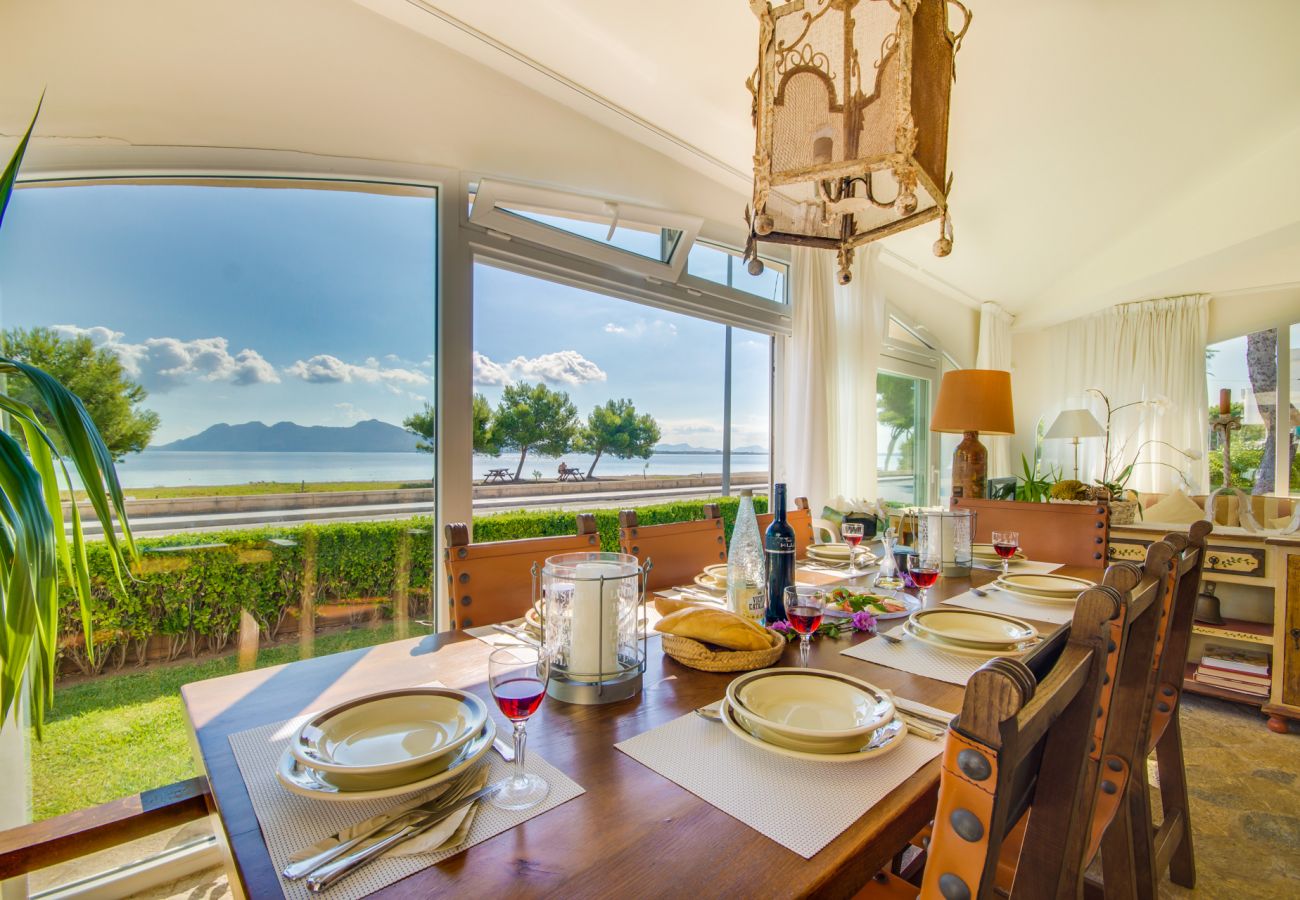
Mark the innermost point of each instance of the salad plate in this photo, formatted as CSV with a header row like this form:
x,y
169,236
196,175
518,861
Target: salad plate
x,y
842,603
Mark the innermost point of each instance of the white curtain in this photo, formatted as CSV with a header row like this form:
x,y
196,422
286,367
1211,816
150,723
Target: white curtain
x,y
1150,354
829,426
995,353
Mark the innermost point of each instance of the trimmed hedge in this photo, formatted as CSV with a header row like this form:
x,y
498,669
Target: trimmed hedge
x,y
193,598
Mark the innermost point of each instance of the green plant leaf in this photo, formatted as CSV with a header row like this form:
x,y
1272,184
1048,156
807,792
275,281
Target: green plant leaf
x,y
10,176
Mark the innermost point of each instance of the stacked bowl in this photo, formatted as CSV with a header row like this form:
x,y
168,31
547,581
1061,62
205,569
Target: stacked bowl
x,y
969,632
387,744
812,714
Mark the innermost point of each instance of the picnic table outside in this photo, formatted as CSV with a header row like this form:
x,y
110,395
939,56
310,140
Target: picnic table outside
x,y
569,473
497,475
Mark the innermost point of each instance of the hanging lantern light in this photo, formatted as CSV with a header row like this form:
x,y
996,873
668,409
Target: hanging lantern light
x,y
851,119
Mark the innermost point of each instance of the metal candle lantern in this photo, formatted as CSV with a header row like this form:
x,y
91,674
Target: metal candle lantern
x,y
945,534
593,625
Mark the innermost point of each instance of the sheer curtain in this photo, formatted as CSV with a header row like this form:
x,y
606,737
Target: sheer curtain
x,y
995,353
829,426
1151,354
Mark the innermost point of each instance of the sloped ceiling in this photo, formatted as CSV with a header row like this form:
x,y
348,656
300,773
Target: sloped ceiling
x,y
1103,150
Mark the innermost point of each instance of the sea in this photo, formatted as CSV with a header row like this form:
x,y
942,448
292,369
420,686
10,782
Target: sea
x,y
177,468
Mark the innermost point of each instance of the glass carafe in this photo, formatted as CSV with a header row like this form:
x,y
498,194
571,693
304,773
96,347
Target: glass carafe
x,y
888,576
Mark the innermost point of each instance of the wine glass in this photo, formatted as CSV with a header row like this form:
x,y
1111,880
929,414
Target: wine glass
x,y
924,569
517,677
804,606
1005,545
852,532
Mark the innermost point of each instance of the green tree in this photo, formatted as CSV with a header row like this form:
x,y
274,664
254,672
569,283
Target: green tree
x,y
616,429
534,417
423,423
896,403
94,374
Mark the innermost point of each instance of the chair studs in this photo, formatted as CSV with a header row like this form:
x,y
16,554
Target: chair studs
x,y
1100,712
466,601
1162,706
967,825
1167,690
1109,786
461,552
1105,678
974,764
881,877
1114,765
464,577
952,887
466,622
1110,647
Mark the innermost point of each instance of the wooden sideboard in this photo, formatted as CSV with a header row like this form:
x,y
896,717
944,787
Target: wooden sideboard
x,y
1257,578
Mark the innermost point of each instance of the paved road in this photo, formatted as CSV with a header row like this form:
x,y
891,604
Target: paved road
x,y
160,526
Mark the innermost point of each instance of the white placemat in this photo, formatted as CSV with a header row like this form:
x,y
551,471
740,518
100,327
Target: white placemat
x,y
290,822
489,635
1021,567
801,805
1010,604
917,657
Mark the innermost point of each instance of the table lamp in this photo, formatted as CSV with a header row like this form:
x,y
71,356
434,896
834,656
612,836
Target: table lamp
x,y
972,401
1075,424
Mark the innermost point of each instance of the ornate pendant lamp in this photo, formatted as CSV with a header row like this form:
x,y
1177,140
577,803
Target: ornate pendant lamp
x,y
851,119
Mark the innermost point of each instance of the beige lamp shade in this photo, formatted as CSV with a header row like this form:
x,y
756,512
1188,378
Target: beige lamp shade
x,y
1075,423
974,400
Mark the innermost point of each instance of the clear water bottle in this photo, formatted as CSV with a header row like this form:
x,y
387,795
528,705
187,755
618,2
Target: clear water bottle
x,y
745,572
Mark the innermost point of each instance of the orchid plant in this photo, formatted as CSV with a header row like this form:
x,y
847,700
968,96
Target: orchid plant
x,y
1115,471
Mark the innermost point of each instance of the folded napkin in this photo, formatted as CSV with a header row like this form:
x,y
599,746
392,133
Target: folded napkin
x,y
449,833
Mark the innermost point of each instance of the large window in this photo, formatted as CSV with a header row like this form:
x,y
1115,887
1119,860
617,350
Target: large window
x,y
905,449
245,347
1257,370
644,391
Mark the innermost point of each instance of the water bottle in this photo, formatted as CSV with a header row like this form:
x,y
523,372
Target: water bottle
x,y
778,548
745,573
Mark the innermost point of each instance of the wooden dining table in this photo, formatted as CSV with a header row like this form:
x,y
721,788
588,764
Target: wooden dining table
x,y
633,833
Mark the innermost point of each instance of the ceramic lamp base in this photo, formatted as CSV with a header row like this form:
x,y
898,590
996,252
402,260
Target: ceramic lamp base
x,y
969,466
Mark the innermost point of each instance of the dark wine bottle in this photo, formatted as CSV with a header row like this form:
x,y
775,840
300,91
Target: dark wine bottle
x,y
778,547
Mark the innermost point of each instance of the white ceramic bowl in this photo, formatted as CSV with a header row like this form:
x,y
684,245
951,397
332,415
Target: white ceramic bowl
x,y
939,643
896,726
407,733
1045,585
811,707
975,628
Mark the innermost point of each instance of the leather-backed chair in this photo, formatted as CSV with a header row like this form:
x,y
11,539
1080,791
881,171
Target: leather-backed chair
x,y
676,551
1073,534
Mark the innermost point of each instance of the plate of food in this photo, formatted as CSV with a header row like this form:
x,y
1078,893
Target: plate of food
x,y
844,602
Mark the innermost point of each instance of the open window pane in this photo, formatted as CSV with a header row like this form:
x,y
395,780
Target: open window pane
x,y
1246,367
726,267
643,240
902,438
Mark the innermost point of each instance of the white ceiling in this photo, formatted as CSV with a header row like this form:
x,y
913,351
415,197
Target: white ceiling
x,y
1104,150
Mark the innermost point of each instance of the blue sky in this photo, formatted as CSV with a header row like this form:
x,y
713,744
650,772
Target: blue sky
x,y
238,304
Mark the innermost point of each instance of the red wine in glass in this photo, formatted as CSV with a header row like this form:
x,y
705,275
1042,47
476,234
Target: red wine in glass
x,y
853,539
1005,544
805,619
1006,551
924,577
519,698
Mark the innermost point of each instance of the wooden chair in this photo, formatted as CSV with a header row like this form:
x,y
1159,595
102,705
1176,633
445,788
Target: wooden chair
x,y
1170,846
1073,534
677,551
493,581
1045,854
800,519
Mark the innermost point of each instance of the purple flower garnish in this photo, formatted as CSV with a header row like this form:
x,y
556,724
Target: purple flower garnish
x,y
782,626
864,621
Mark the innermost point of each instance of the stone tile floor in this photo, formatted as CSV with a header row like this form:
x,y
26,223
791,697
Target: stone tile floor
x,y
1244,785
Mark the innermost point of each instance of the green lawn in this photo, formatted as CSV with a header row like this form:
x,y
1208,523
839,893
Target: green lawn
x,y
124,733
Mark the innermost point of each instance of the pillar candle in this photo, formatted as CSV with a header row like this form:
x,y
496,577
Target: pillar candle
x,y
594,641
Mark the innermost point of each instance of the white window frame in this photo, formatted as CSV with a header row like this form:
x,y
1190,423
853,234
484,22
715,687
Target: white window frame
x,y
493,200
712,287
926,363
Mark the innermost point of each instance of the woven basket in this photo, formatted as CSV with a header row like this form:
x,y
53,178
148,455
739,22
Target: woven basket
x,y
692,653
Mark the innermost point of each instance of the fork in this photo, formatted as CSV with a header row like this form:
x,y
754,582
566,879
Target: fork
x,y
889,638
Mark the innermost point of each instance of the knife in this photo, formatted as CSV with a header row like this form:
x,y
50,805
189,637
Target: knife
x,y
304,867
517,634
334,872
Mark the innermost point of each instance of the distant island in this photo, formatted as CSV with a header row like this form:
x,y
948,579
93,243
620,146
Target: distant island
x,y
370,436
691,448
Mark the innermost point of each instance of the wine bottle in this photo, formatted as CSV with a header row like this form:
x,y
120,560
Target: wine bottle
x,y
778,547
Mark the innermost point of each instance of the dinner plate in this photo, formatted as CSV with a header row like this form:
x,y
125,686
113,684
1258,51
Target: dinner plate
x,y
910,605
1054,585
985,552
947,647
830,551
411,728
976,628
898,725
717,572
1045,599
708,582
308,782
811,704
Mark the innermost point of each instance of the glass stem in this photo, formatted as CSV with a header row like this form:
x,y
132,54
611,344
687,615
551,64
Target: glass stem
x,y
1006,565
520,737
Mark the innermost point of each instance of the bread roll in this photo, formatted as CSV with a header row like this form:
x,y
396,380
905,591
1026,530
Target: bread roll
x,y
715,626
667,605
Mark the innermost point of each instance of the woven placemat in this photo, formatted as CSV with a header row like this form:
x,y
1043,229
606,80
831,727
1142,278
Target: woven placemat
x,y
801,805
1009,604
290,822
917,657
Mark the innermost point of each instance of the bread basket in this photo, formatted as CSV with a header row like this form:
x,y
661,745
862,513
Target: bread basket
x,y
706,658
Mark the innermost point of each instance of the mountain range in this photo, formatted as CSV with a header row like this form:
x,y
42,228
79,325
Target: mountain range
x,y
691,448
371,436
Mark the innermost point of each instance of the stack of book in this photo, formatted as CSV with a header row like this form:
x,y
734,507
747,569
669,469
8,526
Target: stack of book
x,y
1235,669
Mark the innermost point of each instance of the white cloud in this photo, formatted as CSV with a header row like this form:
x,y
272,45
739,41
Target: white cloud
x,y
567,367
350,413
165,362
326,369
611,328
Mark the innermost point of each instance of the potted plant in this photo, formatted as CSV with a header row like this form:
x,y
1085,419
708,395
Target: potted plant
x,y
44,547
1118,465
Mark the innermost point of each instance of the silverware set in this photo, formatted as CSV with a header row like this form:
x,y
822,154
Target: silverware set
x,y
347,856
518,633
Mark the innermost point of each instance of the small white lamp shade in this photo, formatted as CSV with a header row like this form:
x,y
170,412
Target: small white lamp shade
x,y
1075,423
